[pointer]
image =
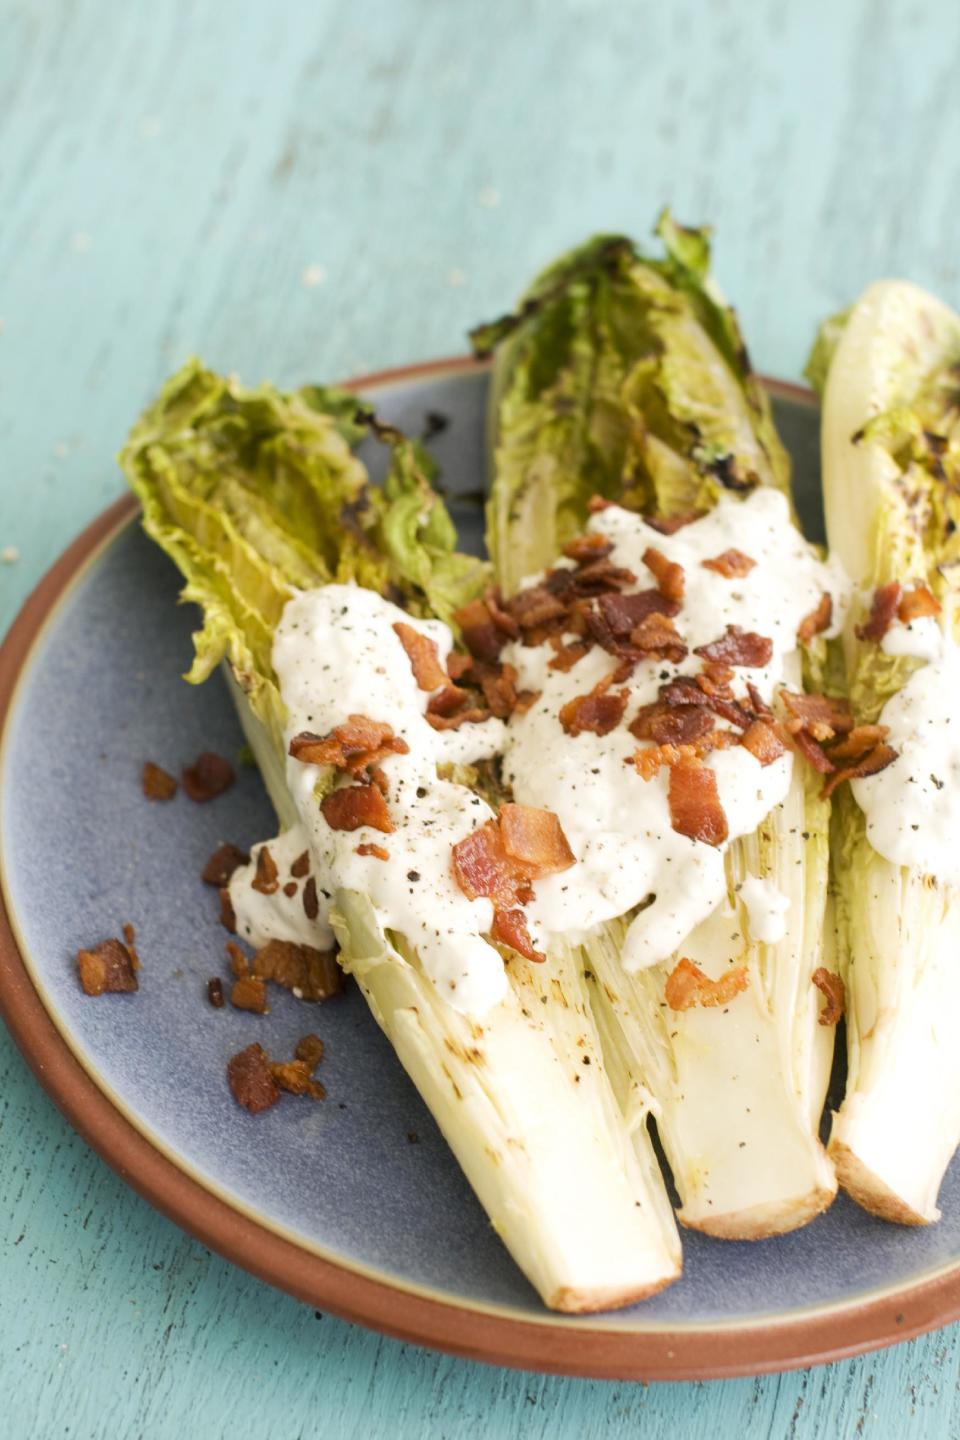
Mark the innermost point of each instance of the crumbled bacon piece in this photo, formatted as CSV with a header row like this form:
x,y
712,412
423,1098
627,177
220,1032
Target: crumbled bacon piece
x,y
872,763
294,1077
510,928
651,758
858,741
567,655
251,1080
812,752
309,1049
311,904
267,877
377,851
481,635
313,974
715,680
656,637
290,889
671,725
817,621
670,524
501,617
738,647
695,809
207,777
535,839
536,606
222,863
215,992
239,965
250,993
499,860
228,918
731,564
917,603
820,715
886,601
594,579
351,747
622,613
499,688
353,806
107,968
667,573
596,503
763,742
585,548
833,991
688,986
157,783
422,654
301,866
447,701
758,705
475,715
598,711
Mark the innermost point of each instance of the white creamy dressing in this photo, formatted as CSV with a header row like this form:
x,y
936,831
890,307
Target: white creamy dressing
x,y
335,654
278,916
766,908
913,806
618,824
921,638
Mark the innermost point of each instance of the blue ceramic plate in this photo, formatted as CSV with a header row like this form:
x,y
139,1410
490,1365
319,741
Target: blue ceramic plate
x,y
355,1204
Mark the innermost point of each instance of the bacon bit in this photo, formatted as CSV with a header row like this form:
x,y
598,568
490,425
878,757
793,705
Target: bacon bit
x,y
820,715
763,742
447,701
239,965
294,1077
215,992
524,700
157,783
377,851
833,991
594,579
886,600
597,711
715,680
567,655
129,937
510,928
649,760
314,974
817,621
351,747
107,968
738,647
379,778
588,547
870,764
916,604
860,739
670,524
474,716
228,918
251,1079
596,503
536,606
687,986
250,993
757,703
813,753
207,777
535,839
656,636
623,613
422,654
458,665
668,575
695,809
353,806
311,905
499,688
301,866
671,725
310,1050
267,878
222,863
731,564
502,618
480,634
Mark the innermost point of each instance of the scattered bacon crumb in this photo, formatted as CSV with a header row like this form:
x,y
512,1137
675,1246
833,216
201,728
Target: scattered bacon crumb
x,y
670,524
812,752
688,986
872,763
294,1077
649,760
309,1049
502,618
267,878
738,647
886,600
695,808
422,654
817,621
130,938
667,573
567,655
251,1079
535,838
499,861
458,664
222,863
249,993
510,928
598,711
671,725
353,806
481,635
832,988
353,746
313,974
108,968
916,603
239,964
731,564
821,716
290,889
763,742
474,716
157,783
207,777
215,992
593,546
377,851
656,637
228,918
858,741
301,866
311,904
596,503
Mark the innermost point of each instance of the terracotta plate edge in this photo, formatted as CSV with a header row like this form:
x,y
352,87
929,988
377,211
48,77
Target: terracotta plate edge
x,y
606,1353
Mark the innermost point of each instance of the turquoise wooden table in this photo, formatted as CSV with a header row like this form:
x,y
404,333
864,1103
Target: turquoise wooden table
x,y
316,189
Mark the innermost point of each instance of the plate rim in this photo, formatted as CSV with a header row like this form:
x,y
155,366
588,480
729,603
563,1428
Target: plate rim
x,y
569,1347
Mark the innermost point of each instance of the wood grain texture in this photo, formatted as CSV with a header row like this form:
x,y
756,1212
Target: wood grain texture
x,y
309,189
